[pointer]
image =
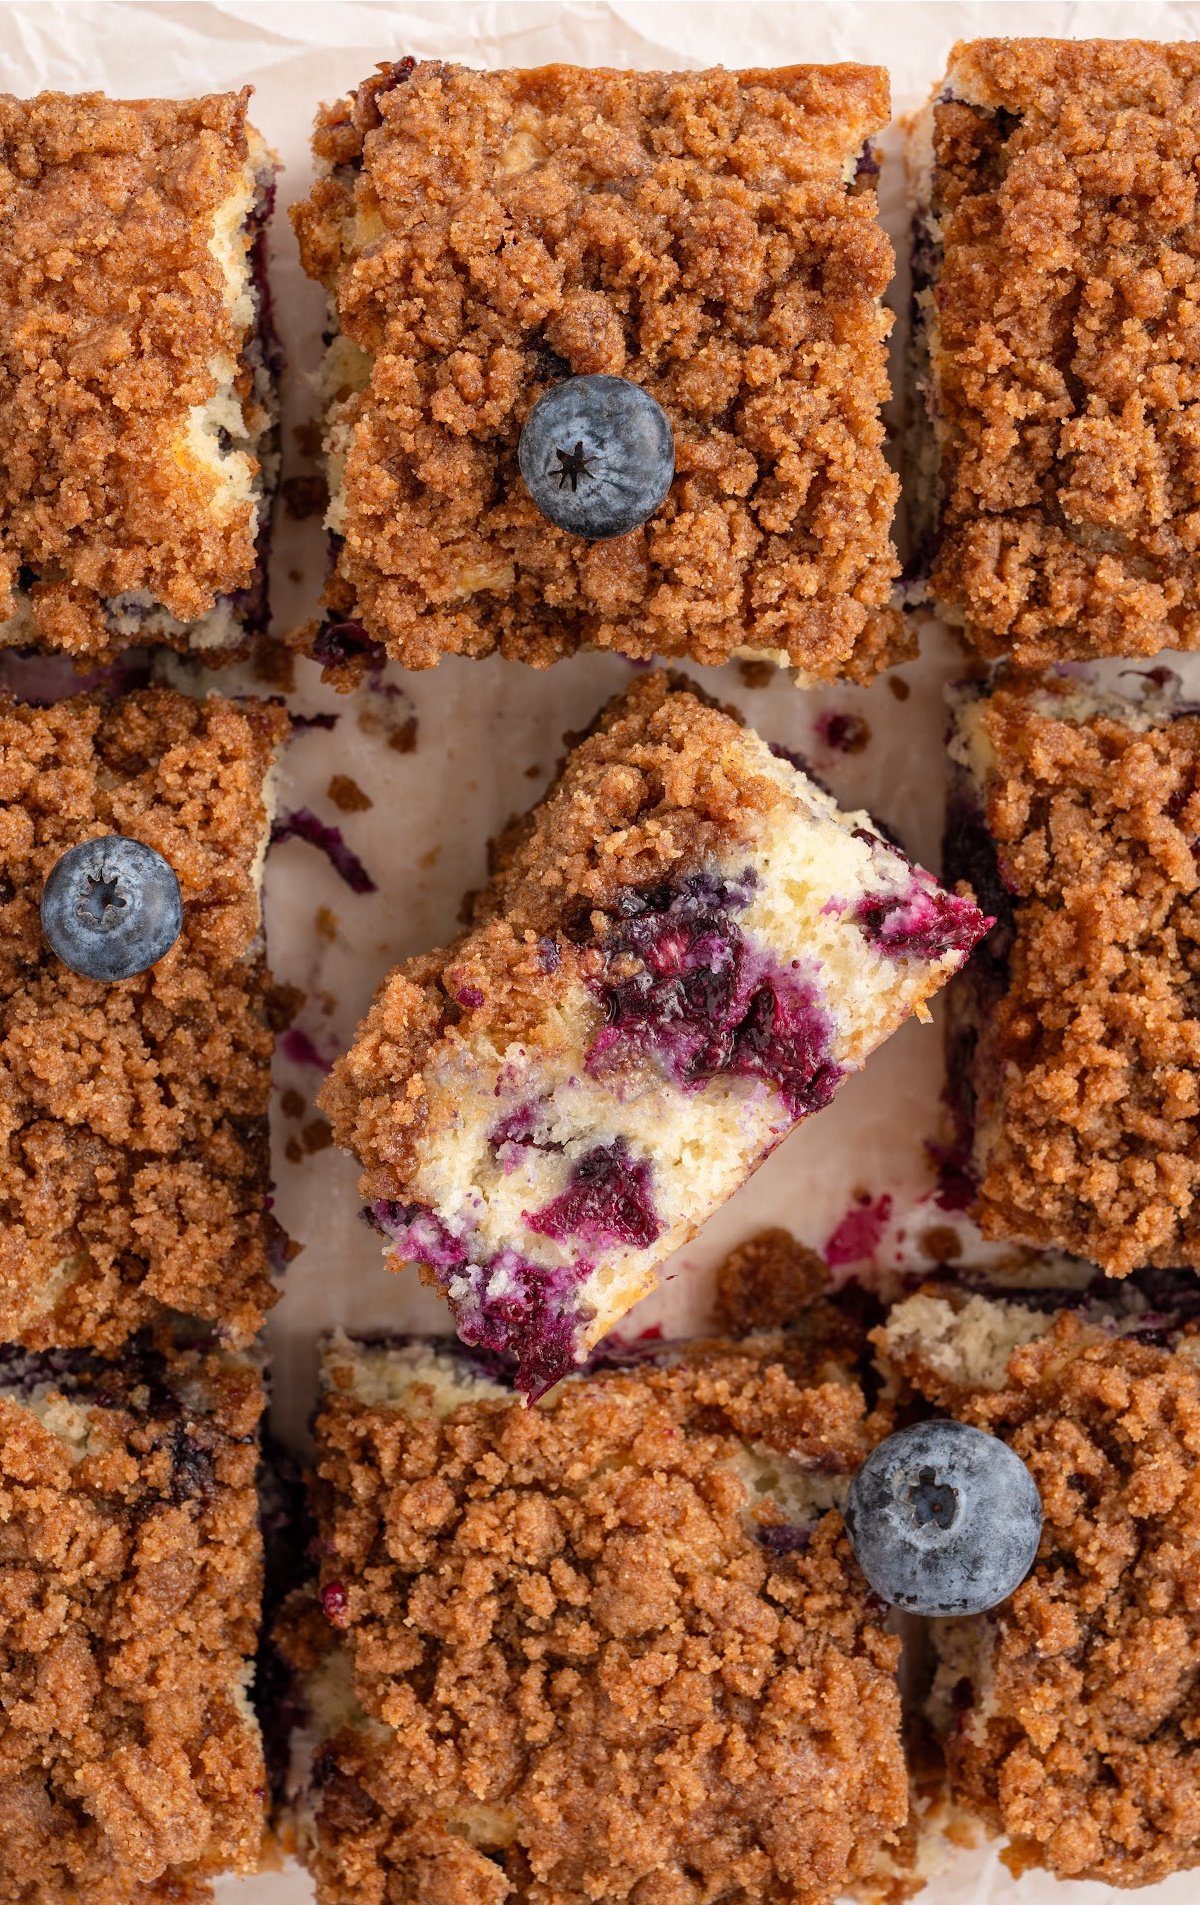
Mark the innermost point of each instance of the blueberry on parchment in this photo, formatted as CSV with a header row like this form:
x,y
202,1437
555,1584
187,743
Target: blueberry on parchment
x,y
597,455
111,907
944,1519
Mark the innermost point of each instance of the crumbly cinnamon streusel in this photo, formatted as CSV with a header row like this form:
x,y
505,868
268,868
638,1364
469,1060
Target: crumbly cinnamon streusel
x,y
484,235
767,1282
115,322
134,1161
1066,351
130,1581
1078,1723
1085,1067
586,1671
657,785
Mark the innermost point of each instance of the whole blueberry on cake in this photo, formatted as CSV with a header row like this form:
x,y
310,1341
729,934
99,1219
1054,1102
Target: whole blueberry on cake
x,y
130,1586
681,953
944,1519
610,1649
137,368
1075,815
700,249
1055,346
135,1035
1068,1714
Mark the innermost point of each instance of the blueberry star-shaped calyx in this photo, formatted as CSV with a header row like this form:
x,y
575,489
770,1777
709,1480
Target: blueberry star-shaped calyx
x,y
572,465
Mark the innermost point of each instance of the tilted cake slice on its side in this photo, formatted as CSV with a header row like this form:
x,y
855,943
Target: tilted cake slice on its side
x,y
1068,1714
683,950
130,1586
609,1648
137,374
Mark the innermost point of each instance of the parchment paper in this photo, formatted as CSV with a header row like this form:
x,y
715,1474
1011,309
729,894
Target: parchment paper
x,y
488,733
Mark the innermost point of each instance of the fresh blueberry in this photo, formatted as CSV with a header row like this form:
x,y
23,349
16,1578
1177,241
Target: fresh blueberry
x,y
944,1519
111,907
597,455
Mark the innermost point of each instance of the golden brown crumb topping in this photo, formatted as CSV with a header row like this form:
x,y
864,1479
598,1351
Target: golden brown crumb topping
x,y
1085,1072
1081,1737
662,781
130,1580
588,1671
133,1162
767,1282
485,235
114,317
1067,357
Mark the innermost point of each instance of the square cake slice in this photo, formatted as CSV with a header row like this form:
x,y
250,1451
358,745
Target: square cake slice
x,y
682,951
1056,272
1068,1715
612,1648
137,362
711,237
134,1163
1075,1036
130,1584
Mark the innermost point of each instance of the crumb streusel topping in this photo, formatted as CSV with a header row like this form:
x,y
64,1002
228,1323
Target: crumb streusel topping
x,y
1085,1072
116,322
134,1163
1078,1729
130,1579
1067,358
484,235
583,1671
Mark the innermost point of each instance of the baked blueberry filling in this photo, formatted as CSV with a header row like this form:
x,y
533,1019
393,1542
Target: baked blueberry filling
x,y
922,923
969,854
607,1202
1153,1306
783,1537
866,168
683,986
505,1305
520,1131
337,642
265,356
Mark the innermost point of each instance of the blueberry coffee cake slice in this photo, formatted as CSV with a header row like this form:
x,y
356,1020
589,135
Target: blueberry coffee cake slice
x,y
130,1583
682,951
135,1044
610,1648
606,367
1068,1714
1075,815
137,363
1057,354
